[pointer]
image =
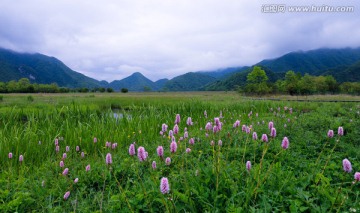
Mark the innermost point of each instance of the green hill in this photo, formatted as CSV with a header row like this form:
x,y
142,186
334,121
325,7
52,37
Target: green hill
x,y
188,82
42,69
313,61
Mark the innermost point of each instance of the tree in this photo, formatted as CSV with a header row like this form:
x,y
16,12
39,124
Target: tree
x,y
256,81
109,90
292,82
124,90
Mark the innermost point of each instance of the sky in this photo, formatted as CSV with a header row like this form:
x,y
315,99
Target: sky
x,y
111,39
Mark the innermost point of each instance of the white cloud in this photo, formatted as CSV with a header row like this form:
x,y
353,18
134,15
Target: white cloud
x,y
109,40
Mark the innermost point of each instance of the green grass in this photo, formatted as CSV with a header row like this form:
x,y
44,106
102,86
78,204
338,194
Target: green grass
x,y
307,177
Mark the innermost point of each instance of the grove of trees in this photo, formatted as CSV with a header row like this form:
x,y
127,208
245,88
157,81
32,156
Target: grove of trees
x,y
296,84
24,85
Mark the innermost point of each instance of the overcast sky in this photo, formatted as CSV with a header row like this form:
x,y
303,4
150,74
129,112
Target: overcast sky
x,y
111,39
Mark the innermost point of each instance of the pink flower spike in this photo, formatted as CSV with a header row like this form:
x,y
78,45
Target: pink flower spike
x,y
61,163
10,155
95,140
188,150
164,128
285,143
191,141
176,129
82,154
141,153
264,138
77,148
220,143
64,156
330,133
164,185
273,132
87,168
66,195
153,164
189,121
340,131
271,125
347,165
76,180
248,165
254,136
108,159
357,176
168,161
65,172
67,148
160,151
173,147
57,148
132,149
21,158
177,119
56,142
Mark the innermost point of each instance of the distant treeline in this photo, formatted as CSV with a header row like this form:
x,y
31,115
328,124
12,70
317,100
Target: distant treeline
x,y
24,86
296,84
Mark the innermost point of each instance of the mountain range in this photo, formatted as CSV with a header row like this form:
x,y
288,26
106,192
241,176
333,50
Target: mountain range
x,y
343,64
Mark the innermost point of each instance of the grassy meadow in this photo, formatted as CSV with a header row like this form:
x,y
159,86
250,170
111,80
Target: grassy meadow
x,y
55,148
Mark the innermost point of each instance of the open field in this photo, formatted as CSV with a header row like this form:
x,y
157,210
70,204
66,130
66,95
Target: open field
x,y
60,146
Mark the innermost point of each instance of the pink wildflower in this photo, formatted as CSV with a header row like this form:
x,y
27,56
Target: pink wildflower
x,y
254,136
153,164
87,168
248,165
357,176
132,149
271,125
66,195
168,161
186,134
65,172
173,147
191,141
141,153
108,159
76,180
82,154
21,158
330,133
340,131
67,148
220,143
57,148
164,185
77,148
188,150
208,126
64,156
264,138
273,132
61,163
177,119
285,143
347,165
176,129
164,128
160,151
95,140
189,121
10,155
